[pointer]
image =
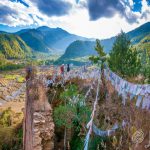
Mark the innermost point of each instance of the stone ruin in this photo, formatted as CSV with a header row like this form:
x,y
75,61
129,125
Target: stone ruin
x,y
38,121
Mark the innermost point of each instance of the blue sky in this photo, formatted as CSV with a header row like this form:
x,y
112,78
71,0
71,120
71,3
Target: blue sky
x,y
89,18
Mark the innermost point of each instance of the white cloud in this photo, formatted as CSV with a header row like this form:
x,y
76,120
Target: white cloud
x,y
77,21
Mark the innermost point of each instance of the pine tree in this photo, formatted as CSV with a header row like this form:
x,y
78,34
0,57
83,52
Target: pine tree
x,y
99,48
123,58
100,52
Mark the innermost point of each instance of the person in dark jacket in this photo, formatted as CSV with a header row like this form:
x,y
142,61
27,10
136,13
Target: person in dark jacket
x,y
68,67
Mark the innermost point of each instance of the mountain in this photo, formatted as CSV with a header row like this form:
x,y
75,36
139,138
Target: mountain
x,y
34,39
77,49
135,36
139,33
57,40
12,46
140,38
45,39
144,44
80,49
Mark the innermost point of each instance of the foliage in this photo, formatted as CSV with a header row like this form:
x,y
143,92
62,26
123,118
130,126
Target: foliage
x,y
2,59
76,142
145,58
6,118
6,137
63,115
99,49
94,59
11,138
143,48
11,132
78,49
12,46
11,66
123,58
100,52
19,78
10,77
73,108
35,40
70,93
72,113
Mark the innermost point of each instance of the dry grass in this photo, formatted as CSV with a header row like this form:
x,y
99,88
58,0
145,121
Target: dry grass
x,y
111,110
15,106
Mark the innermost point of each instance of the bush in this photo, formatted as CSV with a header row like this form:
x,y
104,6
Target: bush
x,y
10,66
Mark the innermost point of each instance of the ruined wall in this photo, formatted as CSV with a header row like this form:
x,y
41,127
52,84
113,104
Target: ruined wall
x,y
38,122
43,125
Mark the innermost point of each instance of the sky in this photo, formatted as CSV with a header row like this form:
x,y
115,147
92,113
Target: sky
x,y
89,18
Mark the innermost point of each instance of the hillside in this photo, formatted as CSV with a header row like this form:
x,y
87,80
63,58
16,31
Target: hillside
x,y
135,36
34,39
139,33
57,40
139,38
78,49
144,44
45,39
12,46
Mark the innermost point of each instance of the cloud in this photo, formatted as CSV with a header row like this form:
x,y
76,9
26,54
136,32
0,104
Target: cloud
x,y
148,1
21,1
145,10
99,8
14,13
53,7
5,13
109,8
108,18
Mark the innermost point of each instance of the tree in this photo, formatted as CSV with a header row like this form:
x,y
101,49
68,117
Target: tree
x,y
2,59
124,58
72,113
99,48
100,51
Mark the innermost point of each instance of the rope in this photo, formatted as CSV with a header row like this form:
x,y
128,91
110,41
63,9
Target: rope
x,y
104,133
89,125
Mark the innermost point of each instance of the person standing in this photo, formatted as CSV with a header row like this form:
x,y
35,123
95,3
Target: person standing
x,y
68,67
62,69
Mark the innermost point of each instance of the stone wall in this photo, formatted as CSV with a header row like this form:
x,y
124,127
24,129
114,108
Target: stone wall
x,y
38,123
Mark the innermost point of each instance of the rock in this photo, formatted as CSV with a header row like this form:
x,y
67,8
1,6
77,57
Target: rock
x,y
43,130
39,119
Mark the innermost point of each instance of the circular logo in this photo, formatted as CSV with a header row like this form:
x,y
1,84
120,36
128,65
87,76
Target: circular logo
x,y
138,137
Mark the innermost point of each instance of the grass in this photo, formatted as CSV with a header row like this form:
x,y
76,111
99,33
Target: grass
x,y
19,78
6,136
11,132
10,77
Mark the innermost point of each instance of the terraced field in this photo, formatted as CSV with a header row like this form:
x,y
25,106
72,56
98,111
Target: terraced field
x,y
12,92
